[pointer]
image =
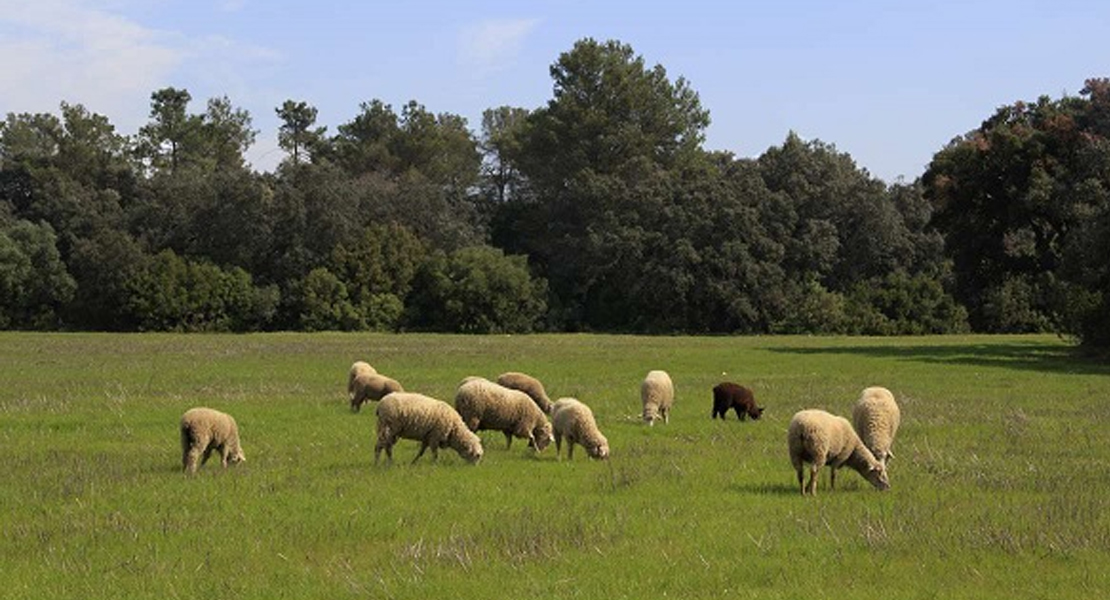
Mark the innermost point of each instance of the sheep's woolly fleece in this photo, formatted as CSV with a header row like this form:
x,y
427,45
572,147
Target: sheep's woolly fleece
x,y
573,420
877,417
820,438
484,404
204,431
359,367
657,395
410,416
372,386
529,385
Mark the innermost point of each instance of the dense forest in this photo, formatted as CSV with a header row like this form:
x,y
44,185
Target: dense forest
x,y
599,211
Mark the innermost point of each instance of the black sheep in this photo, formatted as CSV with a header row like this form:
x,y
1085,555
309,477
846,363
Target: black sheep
x,y
731,395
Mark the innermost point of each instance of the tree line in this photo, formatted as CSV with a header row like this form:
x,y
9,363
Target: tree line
x,y
599,211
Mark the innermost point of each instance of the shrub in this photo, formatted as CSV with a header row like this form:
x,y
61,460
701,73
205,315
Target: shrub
x,y
172,293
477,290
34,283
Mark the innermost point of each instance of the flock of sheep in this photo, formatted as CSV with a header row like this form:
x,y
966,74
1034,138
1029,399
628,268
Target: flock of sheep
x,y
517,405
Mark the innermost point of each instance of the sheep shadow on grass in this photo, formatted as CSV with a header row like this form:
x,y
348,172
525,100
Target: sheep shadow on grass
x,y
764,488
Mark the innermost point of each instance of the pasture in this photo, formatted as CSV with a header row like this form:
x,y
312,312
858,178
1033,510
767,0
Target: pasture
x,y
997,488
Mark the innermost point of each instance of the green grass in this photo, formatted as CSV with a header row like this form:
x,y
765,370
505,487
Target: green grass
x,y
997,488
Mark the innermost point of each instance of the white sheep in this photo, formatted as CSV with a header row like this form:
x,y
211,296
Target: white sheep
x,y
371,386
820,438
410,416
657,394
876,417
359,367
573,420
484,404
203,431
529,385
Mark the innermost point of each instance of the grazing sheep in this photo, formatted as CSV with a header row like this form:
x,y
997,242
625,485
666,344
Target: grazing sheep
x,y
729,395
405,415
574,420
372,386
529,385
820,438
203,431
484,404
657,394
876,417
359,367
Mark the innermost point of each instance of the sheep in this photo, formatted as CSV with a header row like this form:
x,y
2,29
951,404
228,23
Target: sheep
x,y
729,395
876,417
529,385
359,367
204,430
657,394
573,420
484,404
371,386
411,416
820,438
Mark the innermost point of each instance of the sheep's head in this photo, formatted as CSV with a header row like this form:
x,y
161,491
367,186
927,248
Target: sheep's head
x,y
755,412
600,450
468,445
543,436
237,456
878,477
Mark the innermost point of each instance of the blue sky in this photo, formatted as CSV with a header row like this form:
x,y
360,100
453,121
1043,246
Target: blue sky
x,y
888,82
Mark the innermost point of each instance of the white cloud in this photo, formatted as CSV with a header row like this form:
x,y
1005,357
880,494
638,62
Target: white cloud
x,y
59,50
69,50
232,5
494,44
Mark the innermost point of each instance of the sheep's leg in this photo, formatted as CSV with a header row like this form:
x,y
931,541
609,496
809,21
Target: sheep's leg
x,y
192,456
801,479
814,469
387,444
739,414
812,487
508,440
423,447
570,449
832,478
558,445
207,454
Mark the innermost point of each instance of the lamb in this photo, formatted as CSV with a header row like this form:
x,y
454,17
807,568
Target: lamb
x,y
204,430
359,367
529,385
657,394
876,417
484,404
573,420
729,395
411,416
820,438
371,386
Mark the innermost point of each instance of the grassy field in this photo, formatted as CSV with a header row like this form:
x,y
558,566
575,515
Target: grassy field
x,y
997,489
